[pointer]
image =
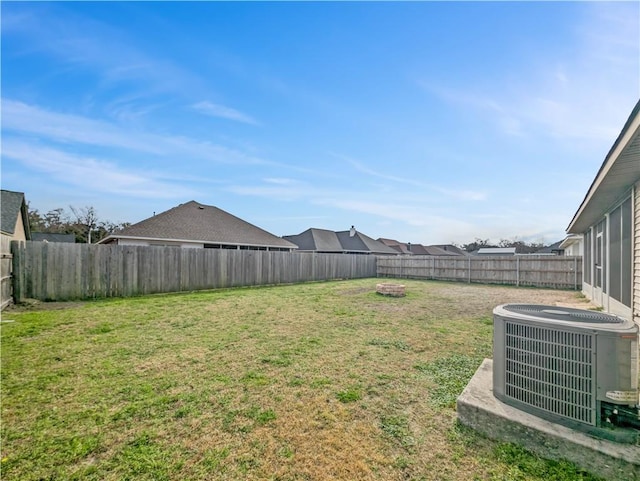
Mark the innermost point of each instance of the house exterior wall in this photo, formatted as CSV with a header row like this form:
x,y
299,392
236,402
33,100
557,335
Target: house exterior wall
x,y
636,254
19,233
574,249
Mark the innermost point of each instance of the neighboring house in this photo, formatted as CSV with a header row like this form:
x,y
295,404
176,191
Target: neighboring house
x,y
15,216
397,246
572,245
343,242
554,249
417,249
198,226
452,249
609,220
50,237
496,251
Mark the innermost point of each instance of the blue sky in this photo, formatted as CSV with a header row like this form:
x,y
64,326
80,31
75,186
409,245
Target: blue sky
x,y
427,122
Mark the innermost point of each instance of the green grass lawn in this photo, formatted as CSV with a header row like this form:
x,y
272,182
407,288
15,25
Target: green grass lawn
x,y
308,382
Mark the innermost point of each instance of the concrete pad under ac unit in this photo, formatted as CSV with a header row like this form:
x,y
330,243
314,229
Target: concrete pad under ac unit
x,y
479,409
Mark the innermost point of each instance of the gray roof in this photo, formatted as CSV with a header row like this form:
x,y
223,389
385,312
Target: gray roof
x,y
452,249
50,237
12,205
359,242
438,251
395,245
421,250
323,240
320,240
195,222
555,247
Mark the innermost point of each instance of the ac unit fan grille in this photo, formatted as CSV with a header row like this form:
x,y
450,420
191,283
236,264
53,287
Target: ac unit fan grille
x,y
563,314
551,370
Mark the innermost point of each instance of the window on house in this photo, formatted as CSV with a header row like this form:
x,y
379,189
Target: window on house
x,y
627,288
586,262
615,240
587,257
599,261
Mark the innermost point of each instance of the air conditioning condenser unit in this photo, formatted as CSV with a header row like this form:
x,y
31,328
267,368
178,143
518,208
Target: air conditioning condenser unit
x,y
571,366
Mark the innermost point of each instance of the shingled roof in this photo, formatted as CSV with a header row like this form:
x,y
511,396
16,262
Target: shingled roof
x,y
350,241
319,240
419,249
195,222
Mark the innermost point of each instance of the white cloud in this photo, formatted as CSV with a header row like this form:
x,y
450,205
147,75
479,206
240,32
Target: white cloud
x,y
85,42
91,174
224,112
68,128
584,97
283,192
20,117
462,194
360,167
453,193
280,181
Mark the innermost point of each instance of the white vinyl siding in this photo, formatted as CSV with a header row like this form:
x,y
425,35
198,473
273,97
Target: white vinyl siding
x,y
636,256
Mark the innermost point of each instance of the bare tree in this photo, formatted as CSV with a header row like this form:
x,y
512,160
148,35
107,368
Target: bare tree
x,y
83,223
87,217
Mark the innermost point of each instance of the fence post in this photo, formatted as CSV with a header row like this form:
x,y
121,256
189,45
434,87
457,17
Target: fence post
x,y
469,280
575,272
517,271
17,274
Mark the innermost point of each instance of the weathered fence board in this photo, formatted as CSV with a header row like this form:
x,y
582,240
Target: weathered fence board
x,y
57,271
558,272
6,272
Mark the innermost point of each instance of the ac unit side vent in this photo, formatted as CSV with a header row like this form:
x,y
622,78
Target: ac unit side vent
x,y
550,370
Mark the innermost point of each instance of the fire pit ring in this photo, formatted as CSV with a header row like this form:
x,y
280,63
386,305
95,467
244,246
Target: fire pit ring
x,y
391,290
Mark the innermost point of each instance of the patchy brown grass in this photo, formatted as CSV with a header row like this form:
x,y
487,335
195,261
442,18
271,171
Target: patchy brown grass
x,y
308,382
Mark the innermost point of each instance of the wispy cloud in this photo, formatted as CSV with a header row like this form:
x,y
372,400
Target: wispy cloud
x,y
60,127
224,112
453,193
360,167
463,194
398,212
93,45
281,181
585,97
283,192
68,128
90,173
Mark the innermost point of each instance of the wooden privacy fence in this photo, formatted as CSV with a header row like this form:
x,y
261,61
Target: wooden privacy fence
x,y
558,272
57,271
6,293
